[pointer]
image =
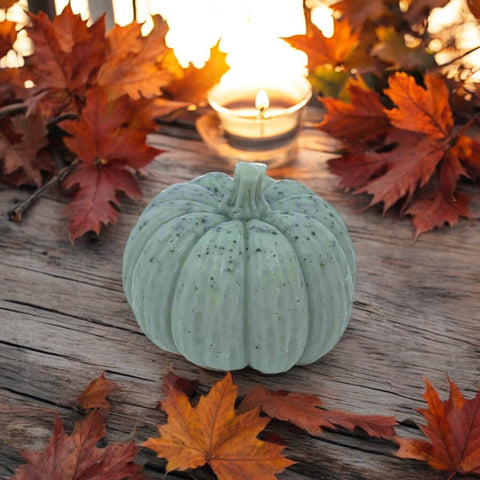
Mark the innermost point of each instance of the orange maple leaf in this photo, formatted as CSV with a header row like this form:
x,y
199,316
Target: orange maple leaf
x,y
307,412
425,110
213,433
322,50
453,428
191,84
8,35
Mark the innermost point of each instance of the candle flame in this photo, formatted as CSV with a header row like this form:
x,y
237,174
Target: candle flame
x,y
262,101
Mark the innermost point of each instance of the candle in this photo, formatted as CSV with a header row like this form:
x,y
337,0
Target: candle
x,y
260,117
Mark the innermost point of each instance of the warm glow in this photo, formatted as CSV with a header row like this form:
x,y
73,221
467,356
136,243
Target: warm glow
x,y
261,101
123,12
78,6
322,18
243,26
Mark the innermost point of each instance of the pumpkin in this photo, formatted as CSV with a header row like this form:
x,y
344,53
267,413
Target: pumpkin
x,y
249,271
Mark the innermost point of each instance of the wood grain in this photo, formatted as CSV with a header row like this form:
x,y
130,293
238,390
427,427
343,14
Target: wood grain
x,y
64,320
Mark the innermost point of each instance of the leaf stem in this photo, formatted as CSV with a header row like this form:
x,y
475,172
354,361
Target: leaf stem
x,y
16,214
14,107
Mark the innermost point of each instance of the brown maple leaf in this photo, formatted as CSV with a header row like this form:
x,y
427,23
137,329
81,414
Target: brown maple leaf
x,y
110,150
20,145
8,35
67,56
213,433
321,50
307,412
453,430
95,394
133,63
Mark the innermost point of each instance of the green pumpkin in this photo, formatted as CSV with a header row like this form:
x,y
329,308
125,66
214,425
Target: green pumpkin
x,y
249,271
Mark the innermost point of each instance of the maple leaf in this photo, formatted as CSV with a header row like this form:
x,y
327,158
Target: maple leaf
x,y
8,35
20,146
110,149
453,430
391,48
419,109
357,13
172,381
77,457
133,64
192,84
322,50
433,210
95,394
67,56
306,412
7,3
361,119
407,167
212,433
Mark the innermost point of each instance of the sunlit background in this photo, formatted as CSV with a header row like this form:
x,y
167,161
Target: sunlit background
x,y
197,25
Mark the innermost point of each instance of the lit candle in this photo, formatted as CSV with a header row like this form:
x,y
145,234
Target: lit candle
x,y
260,117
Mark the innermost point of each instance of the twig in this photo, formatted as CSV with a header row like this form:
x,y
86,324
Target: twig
x,y
16,214
14,107
456,59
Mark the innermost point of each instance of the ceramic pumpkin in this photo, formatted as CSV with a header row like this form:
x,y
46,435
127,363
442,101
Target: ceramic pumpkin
x,y
243,271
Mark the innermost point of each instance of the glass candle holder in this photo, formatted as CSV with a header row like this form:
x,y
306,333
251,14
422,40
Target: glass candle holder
x,y
260,117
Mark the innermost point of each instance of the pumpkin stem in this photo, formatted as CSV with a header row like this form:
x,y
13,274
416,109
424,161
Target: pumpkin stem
x,y
246,201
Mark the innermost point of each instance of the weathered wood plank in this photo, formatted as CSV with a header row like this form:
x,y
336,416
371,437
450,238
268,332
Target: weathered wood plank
x,y
64,319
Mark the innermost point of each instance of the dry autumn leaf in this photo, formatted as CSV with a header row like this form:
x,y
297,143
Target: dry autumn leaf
x,y
67,56
307,412
95,395
407,155
110,150
132,63
213,433
322,50
77,456
20,143
453,430
8,35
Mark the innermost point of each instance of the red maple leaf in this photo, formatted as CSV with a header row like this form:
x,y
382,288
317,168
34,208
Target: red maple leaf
x,y
307,412
363,118
453,430
110,150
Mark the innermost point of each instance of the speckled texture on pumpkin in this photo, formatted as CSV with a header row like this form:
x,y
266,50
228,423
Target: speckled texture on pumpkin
x,y
243,271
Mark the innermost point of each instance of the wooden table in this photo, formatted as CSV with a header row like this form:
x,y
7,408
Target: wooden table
x,y
64,320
